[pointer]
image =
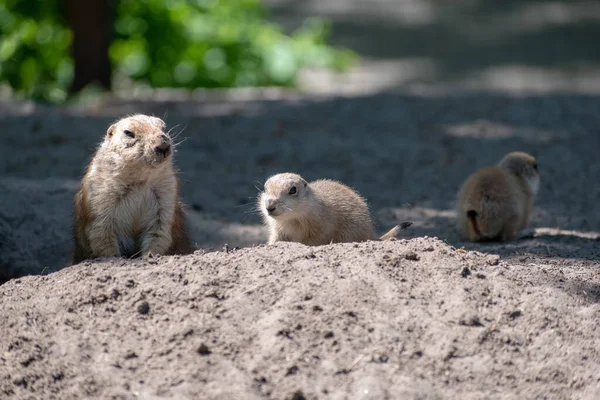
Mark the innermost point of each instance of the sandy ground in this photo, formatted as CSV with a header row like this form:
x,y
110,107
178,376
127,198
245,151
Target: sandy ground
x,y
423,317
414,319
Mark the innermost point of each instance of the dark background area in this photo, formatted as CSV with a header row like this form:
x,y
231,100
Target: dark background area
x,y
502,45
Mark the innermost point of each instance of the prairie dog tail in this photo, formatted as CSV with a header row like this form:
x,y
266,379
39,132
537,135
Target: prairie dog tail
x,y
472,216
395,231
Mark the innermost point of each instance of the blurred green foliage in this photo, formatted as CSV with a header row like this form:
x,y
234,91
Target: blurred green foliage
x,y
34,48
163,43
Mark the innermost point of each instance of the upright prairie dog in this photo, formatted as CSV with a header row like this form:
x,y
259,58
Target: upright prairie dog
x,y
128,204
495,202
314,214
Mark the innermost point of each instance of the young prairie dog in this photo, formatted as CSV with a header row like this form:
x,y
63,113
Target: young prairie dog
x,y
316,213
128,204
495,202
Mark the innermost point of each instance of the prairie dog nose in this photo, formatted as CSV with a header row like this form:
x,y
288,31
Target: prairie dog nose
x,y
270,205
163,149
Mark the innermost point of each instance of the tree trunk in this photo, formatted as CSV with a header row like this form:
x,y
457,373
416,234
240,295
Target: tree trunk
x,y
91,24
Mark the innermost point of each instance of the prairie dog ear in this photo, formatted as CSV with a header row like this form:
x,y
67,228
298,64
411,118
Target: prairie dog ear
x,y
111,130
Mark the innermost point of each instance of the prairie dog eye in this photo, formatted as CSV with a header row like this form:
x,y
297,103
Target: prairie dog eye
x,y
292,190
535,166
128,133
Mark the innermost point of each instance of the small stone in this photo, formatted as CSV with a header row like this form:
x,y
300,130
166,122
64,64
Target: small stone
x,y
298,395
381,359
515,314
143,307
58,376
417,354
465,272
292,370
412,256
203,350
494,260
469,319
20,381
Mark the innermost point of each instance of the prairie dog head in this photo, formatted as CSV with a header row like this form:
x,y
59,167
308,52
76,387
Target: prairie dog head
x,y
524,166
138,141
286,196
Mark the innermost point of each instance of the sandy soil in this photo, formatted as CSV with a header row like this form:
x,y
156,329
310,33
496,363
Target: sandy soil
x,y
414,319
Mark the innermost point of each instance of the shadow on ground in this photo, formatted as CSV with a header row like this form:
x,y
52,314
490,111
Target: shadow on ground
x,y
407,154
480,41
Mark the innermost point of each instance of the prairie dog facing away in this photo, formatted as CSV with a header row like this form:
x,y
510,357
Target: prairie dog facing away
x,y
495,202
316,213
128,204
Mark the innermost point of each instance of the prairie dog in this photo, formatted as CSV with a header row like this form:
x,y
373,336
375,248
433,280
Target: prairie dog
x,y
495,202
128,204
316,213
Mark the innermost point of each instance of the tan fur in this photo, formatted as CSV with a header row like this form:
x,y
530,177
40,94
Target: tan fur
x,y
495,202
128,204
321,212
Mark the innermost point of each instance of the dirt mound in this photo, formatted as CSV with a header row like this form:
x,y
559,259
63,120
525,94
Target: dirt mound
x,y
401,319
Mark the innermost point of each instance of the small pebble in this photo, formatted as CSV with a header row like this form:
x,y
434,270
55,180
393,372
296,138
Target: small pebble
x,y
143,307
204,350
